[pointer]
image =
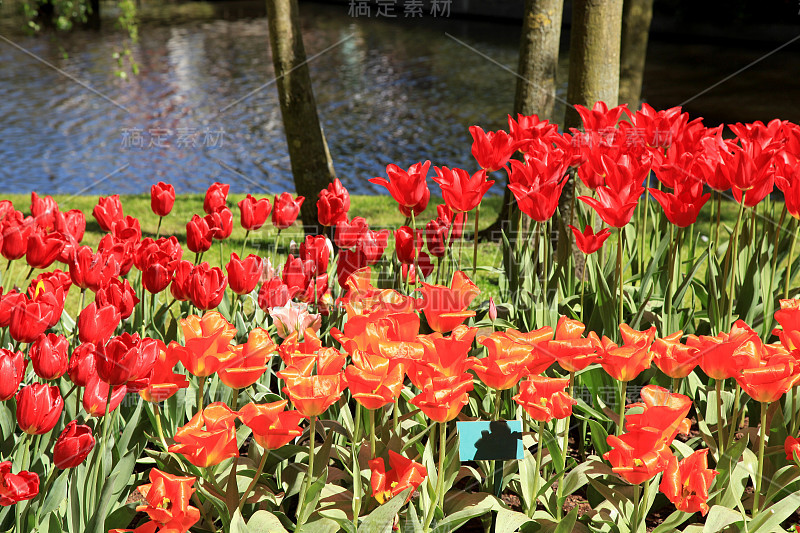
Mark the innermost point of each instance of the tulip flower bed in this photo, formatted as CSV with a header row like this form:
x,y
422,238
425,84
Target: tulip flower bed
x,y
645,381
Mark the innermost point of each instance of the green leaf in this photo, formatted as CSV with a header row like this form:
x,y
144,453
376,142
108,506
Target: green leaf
x,y
460,507
56,495
769,519
260,522
382,518
509,521
672,522
719,518
566,525
321,525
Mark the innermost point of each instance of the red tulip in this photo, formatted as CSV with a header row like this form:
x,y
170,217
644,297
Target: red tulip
x,y
198,234
38,408
638,455
545,398
127,229
405,247
408,188
588,242
16,487
315,249
125,358
8,302
16,231
162,198
285,210
254,212
12,368
216,197
182,281
600,118
461,191
243,275
43,248
123,251
492,149
30,318
119,294
220,223
73,445
81,367
95,397
44,211
49,356
436,237
207,286
537,187
333,204
92,271
682,206
792,448
96,324
71,225
273,293
107,212
51,288
618,198
348,233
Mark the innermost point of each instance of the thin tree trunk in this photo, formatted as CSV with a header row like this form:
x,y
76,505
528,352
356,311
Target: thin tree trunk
x,y
311,162
93,17
636,17
594,64
536,84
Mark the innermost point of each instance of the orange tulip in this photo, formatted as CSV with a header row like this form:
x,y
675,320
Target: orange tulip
x,y
207,342
295,344
209,438
625,362
572,352
164,382
373,380
442,398
513,344
404,473
662,411
443,356
722,356
312,395
792,448
362,297
272,426
544,398
167,498
445,308
686,484
250,361
674,358
638,455
769,381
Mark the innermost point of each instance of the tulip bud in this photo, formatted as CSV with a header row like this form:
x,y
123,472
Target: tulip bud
x,y
107,212
49,356
97,324
162,198
492,310
39,407
73,445
243,275
254,212
12,368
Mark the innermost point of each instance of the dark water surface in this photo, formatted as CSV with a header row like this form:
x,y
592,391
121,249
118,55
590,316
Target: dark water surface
x,y
389,92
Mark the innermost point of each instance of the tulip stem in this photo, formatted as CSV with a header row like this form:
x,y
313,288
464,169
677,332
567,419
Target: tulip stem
x,y
761,442
158,229
244,242
539,446
720,424
565,449
583,281
623,389
159,427
475,242
201,383
357,424
257,475
789,267
636,502
312,435
371,432
497,399
735,245
442,451
414,241
619,273
43,493
396,414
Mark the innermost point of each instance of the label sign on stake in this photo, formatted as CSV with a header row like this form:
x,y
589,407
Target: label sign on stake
x,y
490,440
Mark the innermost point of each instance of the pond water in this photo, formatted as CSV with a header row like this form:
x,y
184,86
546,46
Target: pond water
x,y
202,108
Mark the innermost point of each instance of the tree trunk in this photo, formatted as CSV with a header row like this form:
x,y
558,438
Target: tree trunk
x,y
93,17
594,65
312,166
636,17
536,84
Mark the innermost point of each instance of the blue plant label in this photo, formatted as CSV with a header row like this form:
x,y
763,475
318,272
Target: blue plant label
x,y
490,440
